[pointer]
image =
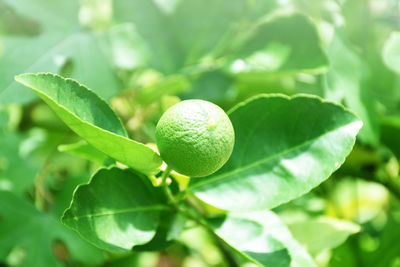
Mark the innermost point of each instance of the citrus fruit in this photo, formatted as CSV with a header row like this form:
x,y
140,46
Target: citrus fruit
x,y
195,137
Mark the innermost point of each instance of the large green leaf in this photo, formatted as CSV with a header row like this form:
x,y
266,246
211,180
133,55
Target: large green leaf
x,y
91,118
319,234
208,28
250,240
283,44
23,227
60,41
344,83
182,33
117,210
284,148
262,238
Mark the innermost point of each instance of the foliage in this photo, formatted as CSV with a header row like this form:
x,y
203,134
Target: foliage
x,y
311,89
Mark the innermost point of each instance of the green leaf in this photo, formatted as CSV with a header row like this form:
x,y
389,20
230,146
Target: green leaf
x,y
200,25
250,240
17,170
91,118
182,33
61,41
166,54
391,52
284,147
117,210
129,50
344,82
171,225
22,226
22,156
84,150
299,256
262,238
19,25
52,14
319,234
283,44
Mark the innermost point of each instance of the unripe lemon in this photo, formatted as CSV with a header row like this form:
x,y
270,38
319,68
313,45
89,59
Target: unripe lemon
x,y
195,137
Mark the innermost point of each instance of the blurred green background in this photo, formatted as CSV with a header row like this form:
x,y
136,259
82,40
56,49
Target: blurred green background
x,y
144,56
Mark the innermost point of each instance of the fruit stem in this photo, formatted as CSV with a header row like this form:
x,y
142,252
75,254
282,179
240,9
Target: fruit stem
x,y
164,184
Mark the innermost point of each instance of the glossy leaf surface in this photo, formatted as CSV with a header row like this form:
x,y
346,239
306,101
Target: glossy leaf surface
x,y
115,211
284,148
318,234
250,240
91,118
261,238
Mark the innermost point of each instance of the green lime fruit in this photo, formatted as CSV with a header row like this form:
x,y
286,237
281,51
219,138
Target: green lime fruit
x,y
195,137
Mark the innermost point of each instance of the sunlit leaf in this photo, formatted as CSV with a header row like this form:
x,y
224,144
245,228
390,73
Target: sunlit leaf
x,y
91,118
262,238
284,147
115,211
84,150
344,83
318,234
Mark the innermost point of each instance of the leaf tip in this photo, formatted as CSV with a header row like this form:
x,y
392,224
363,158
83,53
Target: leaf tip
x,y
19,77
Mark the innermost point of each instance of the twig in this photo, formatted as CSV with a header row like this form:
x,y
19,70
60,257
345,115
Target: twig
x,y
165,186
40,191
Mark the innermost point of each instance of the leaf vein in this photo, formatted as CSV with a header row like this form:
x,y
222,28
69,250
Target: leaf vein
x,y
121,211
262,161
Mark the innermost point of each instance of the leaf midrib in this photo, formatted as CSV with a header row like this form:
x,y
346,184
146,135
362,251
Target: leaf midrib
x,y
121,211
262,161
64,109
